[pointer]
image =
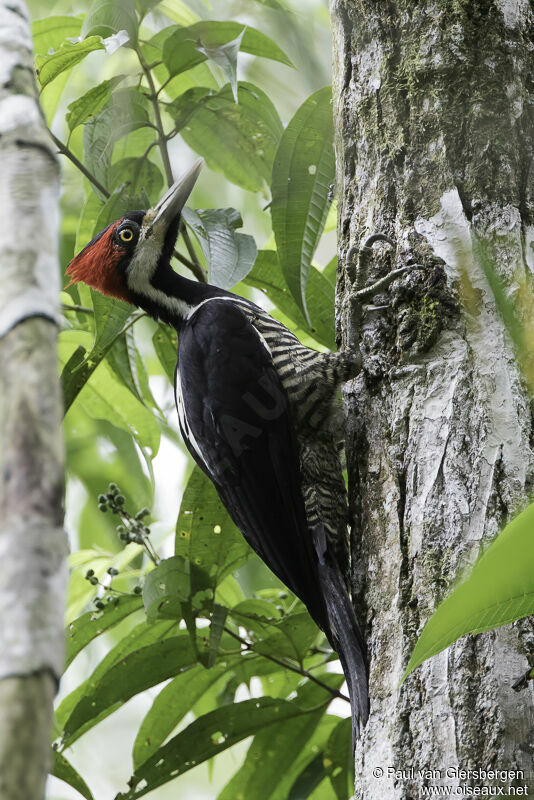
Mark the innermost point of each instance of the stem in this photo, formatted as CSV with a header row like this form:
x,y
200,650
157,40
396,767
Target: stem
x,y
164,150
77,163
79,309
288,665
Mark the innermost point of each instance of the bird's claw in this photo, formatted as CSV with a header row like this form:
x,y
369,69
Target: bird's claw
x,y
382,283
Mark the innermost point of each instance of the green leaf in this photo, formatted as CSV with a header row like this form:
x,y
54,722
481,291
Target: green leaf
x,y
67,56
303,171
266,275
205,534
107,17
225,56
338,761
87,222
104,397
126,111
169,586
187,47
134,673
218,619
165,343
144,6
275,749
499,590
139,176
112,317
205,738
293,638
90,625
91,102
50,33
63,770
126,362
170,707
309,779
229,255
237,139
140,636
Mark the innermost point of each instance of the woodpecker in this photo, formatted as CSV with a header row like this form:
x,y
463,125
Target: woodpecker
x,y
258,412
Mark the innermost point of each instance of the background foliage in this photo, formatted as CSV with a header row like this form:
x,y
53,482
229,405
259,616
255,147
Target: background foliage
x,y
167,609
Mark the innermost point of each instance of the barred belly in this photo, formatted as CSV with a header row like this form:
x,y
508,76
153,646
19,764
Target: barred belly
x,y
311,380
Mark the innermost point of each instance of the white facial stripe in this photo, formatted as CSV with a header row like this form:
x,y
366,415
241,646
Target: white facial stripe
x,y
142,268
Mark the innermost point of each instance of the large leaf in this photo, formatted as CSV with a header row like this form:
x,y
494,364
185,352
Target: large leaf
x,y
126,111
108,17
308,780
237,139
187,47
205,534
104,397
338,760
140,177
303,171
500,589
65,57
175,581
126,362
170,707
112,319
293,636
63,770
51,32
91,102
205,738
92,624
266,275
229,255
134,673
275,749
141,636
225,56
165,344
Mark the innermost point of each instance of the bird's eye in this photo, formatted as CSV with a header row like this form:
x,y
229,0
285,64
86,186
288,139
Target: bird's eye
x,y
126,235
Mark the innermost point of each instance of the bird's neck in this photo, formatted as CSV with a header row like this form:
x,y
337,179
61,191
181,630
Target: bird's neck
x,y
173,298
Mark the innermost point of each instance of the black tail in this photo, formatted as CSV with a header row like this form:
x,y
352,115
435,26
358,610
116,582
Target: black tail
x,y
343,631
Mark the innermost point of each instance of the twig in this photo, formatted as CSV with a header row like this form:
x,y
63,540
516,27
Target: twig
x,y
164,150
79,309
288,665
77,163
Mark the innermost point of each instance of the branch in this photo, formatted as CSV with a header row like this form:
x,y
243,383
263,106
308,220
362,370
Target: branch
x,y
289,665
77,163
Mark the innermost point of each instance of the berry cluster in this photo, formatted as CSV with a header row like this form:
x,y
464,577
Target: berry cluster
x,y
132,528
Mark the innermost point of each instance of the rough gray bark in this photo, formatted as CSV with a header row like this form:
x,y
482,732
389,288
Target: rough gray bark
x,y
433,106
32,541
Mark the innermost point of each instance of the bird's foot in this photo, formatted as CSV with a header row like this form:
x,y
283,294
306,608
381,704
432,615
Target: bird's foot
x,y
358,259
382,283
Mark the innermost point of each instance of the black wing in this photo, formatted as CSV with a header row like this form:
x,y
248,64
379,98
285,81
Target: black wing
x,y
236,421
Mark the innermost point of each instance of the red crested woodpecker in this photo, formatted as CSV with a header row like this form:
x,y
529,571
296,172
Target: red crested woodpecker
x,y
258,412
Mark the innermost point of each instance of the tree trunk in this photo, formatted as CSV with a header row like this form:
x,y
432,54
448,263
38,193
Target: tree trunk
x,y
434,117
32,541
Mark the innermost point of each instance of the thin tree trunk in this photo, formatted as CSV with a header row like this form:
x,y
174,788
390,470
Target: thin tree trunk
x,y
32,541
433,106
